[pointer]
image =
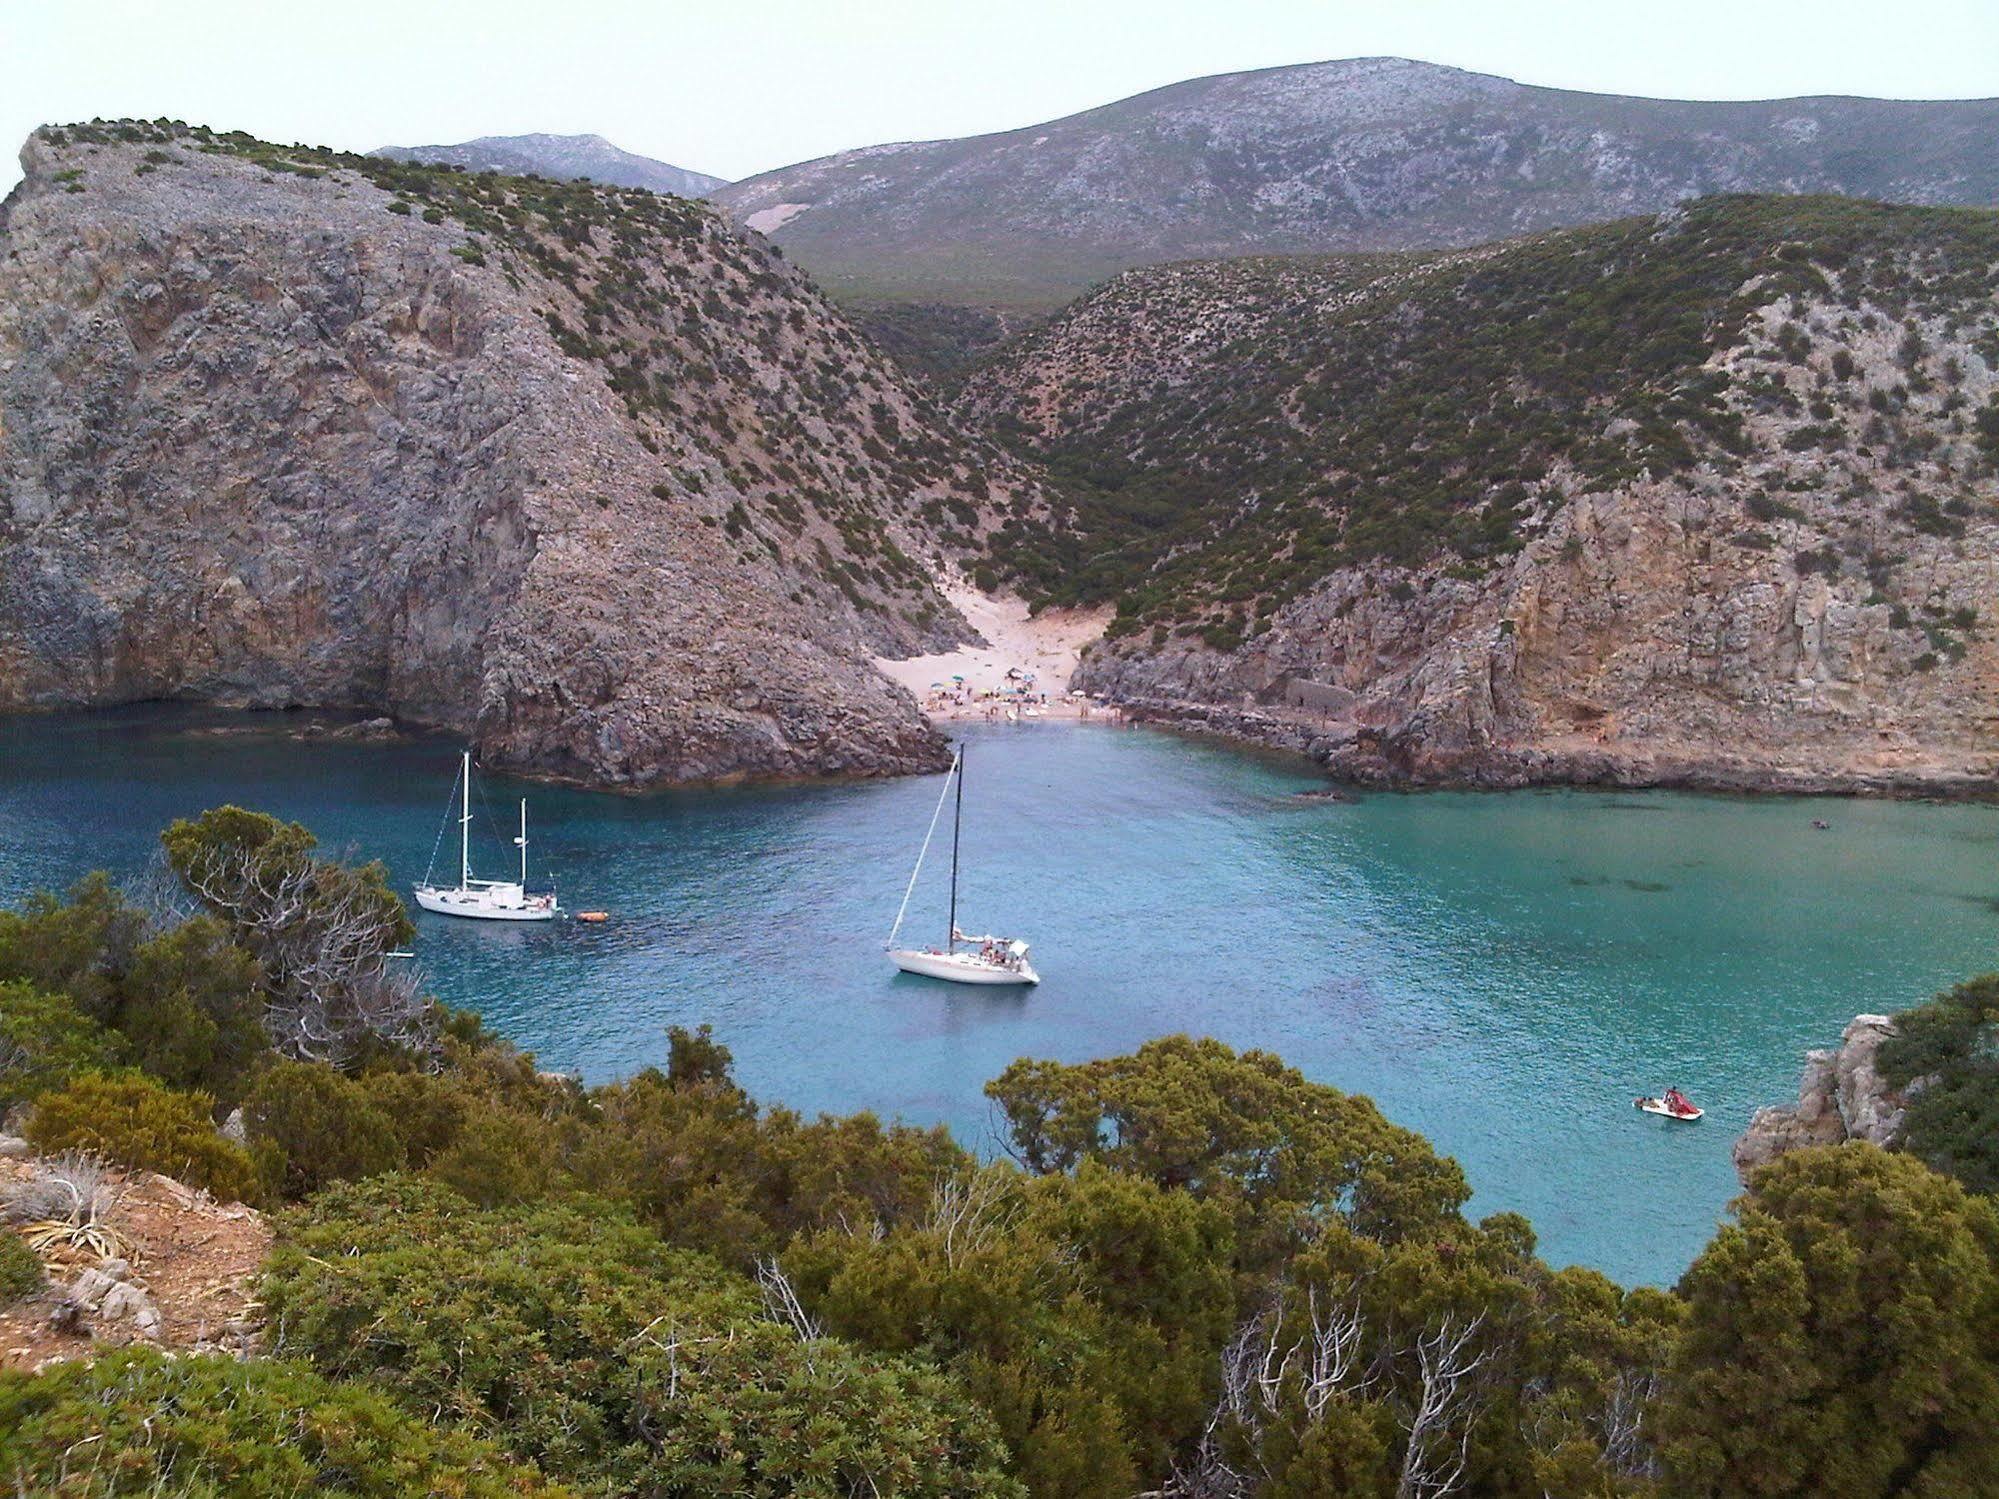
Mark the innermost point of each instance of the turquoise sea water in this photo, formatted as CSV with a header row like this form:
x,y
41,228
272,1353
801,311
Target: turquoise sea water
x,y
1501,971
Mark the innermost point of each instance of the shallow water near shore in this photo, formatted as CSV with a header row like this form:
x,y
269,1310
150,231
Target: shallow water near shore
x,y
1502,971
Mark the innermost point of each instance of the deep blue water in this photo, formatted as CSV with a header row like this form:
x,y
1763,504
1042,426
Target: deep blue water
x,y
1501,971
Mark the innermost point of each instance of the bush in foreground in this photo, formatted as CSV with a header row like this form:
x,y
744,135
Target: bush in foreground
x,y
320,1128
44,1042
139,1423
20,1270
1842,1336
133,1120
587,1345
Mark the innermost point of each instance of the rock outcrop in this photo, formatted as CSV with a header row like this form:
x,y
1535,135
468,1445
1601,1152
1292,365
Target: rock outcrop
x,y
571,470
1842,1097
1709,499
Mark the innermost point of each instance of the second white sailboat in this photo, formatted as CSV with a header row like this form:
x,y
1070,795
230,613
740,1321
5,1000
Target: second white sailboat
x,y
962,959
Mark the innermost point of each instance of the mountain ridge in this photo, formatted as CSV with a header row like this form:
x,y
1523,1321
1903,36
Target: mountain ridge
x,y
1354,154
566,157
571,470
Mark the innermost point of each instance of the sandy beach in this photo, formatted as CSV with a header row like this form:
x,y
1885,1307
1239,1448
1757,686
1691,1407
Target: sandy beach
x,y
1047,646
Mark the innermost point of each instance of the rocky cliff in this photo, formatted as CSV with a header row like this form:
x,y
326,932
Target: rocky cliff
x,y
1376,153
573,470
1842,1097
1709,498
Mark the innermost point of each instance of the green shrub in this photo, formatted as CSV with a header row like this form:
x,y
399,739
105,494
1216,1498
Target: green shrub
x,y
499,1157
1952,1044
1841,1338
133,1120
183,1004
1276,1150
71,946
323,1127
21,1272
702,1164
136,1422
44,1042
1986,425
426,1110
1086,1312
580,1340
191,1012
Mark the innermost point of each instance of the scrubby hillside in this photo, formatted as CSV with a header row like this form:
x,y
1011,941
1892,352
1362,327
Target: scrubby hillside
x,y
1705,496
572,469
1360,154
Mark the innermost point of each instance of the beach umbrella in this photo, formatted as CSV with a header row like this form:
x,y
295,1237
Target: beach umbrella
x,y
956,678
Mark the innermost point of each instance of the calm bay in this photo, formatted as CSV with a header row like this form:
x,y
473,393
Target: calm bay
x,y
1503,972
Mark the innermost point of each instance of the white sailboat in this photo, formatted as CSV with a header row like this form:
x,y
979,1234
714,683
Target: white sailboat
x,y
962,959
485,900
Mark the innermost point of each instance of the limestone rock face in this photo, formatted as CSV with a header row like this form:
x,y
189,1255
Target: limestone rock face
x,y
1628,647
1842,1097
573,471
1868,1108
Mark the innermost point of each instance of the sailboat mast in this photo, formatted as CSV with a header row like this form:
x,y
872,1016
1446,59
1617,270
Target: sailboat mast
x,y
465,823
524,843
957,822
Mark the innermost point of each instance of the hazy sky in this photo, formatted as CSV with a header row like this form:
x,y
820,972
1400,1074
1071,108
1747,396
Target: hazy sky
x,y
735,87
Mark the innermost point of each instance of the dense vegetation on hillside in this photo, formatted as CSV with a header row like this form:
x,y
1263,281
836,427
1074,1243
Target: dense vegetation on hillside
x,y
1199,1273
938,345
1230,432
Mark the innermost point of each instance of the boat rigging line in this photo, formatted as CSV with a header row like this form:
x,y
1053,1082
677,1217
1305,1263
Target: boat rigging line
x,y
950,779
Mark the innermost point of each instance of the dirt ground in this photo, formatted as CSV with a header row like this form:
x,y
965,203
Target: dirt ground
x,y
196,1259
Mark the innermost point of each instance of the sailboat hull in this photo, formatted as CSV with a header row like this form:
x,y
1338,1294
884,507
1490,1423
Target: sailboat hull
x,y
485,905
960,968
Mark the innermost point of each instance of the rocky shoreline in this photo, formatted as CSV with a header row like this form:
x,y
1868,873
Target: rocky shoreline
x,y
1360,756
1842,1097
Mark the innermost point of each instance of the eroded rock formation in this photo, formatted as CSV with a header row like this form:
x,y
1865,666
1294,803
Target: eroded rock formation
x,y
1842,1097
572,470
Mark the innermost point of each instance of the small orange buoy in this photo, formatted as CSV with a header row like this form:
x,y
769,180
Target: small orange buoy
x,y
593,917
